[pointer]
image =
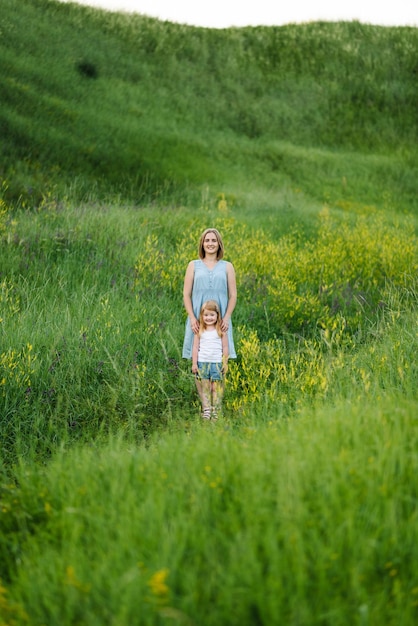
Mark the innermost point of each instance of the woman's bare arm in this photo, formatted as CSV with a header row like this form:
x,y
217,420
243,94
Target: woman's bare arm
x,y
232,296
187,296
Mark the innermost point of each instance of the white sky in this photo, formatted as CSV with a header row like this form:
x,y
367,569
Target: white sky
x,y
225,13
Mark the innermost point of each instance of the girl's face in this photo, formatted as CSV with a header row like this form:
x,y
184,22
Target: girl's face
x,y
209,317
210,243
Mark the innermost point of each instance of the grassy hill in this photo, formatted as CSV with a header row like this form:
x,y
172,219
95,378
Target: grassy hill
x,y
122,138
135,105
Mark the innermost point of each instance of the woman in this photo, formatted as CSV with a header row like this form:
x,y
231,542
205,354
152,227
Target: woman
x,y
209,278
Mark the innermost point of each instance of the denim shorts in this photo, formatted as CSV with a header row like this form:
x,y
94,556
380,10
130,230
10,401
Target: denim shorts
x,y
209,371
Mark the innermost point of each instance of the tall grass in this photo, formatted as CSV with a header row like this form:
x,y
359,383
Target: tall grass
x,y
122,139
311,520
129,104
92,318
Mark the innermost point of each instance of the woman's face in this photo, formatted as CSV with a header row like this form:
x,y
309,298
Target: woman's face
x,y
210,243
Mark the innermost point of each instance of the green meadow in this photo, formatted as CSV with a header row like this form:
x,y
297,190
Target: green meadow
x,y
122,138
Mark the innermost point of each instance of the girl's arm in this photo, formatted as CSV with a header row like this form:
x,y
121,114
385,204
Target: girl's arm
x,y
225,353
232,296
187,296
195,352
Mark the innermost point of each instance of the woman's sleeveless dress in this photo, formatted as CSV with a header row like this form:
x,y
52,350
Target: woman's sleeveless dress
x,y
208,285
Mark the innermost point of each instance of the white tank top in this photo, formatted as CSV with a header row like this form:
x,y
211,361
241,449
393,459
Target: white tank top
x,y
210,347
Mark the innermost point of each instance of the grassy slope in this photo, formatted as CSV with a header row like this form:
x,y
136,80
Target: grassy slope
x,y
135,104
262,520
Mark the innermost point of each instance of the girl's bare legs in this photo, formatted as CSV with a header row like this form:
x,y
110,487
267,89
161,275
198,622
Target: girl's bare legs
x,y
217,396
203,389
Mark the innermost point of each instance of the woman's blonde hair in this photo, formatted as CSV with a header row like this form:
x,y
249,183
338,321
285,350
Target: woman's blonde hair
x,y
210,305
220,253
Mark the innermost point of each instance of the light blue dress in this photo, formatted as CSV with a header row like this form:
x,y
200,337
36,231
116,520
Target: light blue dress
x,y
208,285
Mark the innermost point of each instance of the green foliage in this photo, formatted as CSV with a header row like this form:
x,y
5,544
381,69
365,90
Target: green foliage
x,y
117,506
129,104
311,520
92,319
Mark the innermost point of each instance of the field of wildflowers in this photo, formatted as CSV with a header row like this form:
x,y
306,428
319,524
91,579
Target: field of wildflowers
x,y
123,138
118,506
92,323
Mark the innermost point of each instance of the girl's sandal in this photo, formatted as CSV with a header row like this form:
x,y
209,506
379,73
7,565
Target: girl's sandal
x,y
206,414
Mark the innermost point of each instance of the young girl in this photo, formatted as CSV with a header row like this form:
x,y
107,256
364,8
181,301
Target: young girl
x,y
210,359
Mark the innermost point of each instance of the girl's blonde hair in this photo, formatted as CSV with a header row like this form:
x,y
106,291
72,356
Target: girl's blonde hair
x,y
210,305
220,253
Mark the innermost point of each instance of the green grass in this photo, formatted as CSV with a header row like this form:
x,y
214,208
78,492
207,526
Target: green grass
x,y
122,138
128,104
119,506
310,520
